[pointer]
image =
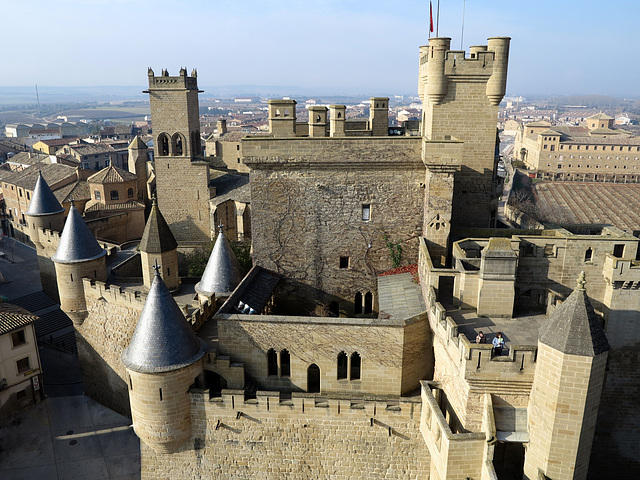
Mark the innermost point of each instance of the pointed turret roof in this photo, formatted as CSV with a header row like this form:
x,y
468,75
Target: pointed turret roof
x,y
574,328
157,236
43,201
77,243
137,143
163,340
222,273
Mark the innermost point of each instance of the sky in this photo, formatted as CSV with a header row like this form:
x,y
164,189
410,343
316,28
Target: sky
x,y
319,46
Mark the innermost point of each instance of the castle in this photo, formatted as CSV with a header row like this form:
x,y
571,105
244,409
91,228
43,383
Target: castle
x,y
314,366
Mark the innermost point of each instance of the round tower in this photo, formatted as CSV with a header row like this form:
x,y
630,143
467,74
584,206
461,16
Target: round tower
x,y
163,359
497,84
78,256
563,406
44,212
436,79
159,245
137,164
222,274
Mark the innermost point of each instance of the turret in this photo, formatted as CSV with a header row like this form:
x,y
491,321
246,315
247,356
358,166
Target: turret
x,y
163,359
379,116
282,118
497,277
44,212
337,118
78,256
318,121
159,245
137,164
497,84
437,84
563,407
222,274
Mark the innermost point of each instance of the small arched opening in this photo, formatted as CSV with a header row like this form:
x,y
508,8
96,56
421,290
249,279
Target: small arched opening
x,y
313,378
368,302
215,383
272,362
285,363
342,366
356,363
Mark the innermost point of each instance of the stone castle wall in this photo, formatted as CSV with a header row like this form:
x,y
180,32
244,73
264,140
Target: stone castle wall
x,y
307,210
385,348
306,437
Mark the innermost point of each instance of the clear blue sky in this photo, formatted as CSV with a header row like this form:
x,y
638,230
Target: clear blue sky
x,y
364,46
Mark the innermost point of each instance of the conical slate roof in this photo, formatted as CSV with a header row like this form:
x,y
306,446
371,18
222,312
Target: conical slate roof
x,y
137,143
43,201
574,328
77,243
222,273
157,236
163,340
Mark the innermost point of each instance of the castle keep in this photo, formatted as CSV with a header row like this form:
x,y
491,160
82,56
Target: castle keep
x,y
313,365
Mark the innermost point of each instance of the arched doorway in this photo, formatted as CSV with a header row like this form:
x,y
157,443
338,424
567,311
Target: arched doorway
x,y
215,383
313,378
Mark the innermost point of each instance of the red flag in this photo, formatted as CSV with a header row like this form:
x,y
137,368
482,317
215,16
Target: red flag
x,y
430,17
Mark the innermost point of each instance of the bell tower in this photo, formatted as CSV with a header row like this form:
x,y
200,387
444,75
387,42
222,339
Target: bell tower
x,y
182,176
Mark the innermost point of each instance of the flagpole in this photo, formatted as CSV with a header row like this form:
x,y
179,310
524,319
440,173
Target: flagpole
x,y
464,4
438,20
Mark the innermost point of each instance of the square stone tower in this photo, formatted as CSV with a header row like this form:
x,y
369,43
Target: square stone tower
x,y
460,96
182,176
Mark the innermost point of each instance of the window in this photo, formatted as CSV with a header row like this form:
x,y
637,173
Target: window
x,y
23,365
272,362
549,250
344,262
20,191
368,302
130,193
285,363
366,212
618,250
160,391
97,195
553,148
114,194
342,366
357,304
29,196
355,366
85,165
588,255
18,338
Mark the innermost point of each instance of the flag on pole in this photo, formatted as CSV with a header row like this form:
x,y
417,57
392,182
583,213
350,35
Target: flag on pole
x,y
430,17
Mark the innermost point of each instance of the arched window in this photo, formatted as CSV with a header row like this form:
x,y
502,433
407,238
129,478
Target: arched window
x,y
342,365
163,144
313,378
318,118
177,144
368,302
285,363
286,112
357,304
588,254
355,366
272,362
130,193
339,115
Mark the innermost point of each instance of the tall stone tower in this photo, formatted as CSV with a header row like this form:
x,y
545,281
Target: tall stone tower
x,y
78,256
379,116
163,359
460,97
570,371
182,176
137,164
45,216
282,118
159,245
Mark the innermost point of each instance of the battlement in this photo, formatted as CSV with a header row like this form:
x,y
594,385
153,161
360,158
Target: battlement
x,y
309,405
621,272
166,82
131,297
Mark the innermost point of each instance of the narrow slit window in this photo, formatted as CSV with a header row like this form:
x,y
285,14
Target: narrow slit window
x,y
366,212
285,363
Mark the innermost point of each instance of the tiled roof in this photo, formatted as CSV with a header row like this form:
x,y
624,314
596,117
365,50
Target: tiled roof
x,y
13,317
111,174
78,190
28,158
234,186
52,173
600,116
137,143
163,340
90,148
130,205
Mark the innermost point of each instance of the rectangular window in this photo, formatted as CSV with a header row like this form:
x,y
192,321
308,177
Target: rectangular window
x,y
618,250
97,195
344,262
23,365
366,212
553,148
18,338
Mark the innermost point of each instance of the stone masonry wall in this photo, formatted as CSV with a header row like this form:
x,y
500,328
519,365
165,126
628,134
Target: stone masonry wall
x,y
298,439
307,196
391,363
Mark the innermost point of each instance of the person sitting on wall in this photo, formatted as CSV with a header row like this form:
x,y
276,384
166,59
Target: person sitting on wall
x,y
481,337
498,344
